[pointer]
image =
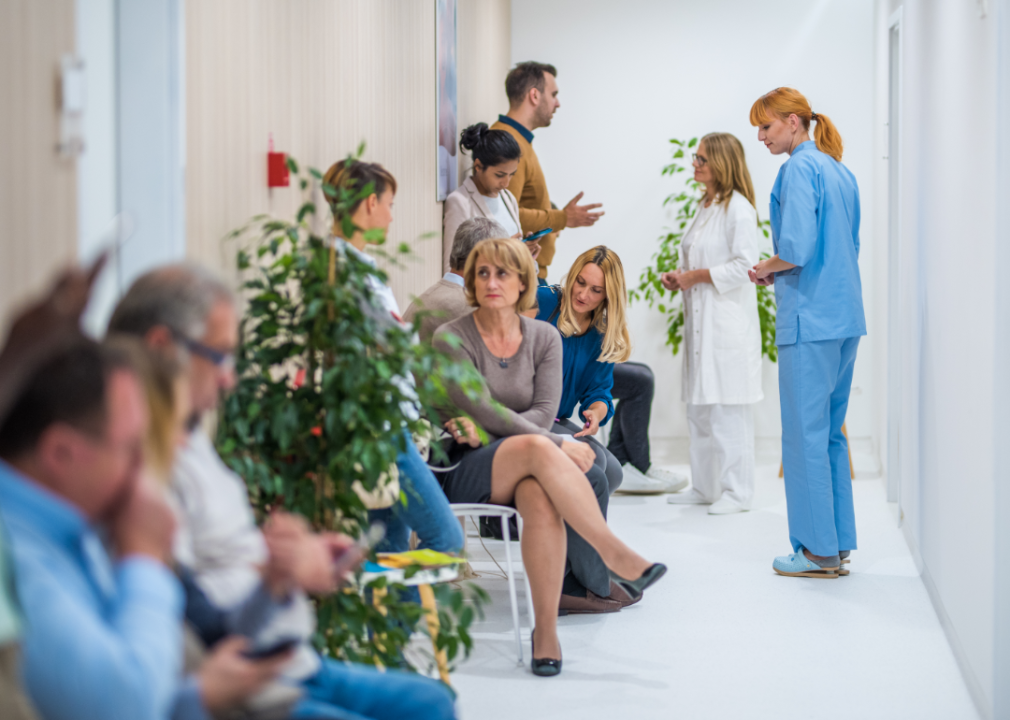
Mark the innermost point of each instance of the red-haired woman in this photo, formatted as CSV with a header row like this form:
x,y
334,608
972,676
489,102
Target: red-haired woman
x,y
815,269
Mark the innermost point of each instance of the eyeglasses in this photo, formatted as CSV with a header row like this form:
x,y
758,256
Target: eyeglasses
x,y
221,360
699,160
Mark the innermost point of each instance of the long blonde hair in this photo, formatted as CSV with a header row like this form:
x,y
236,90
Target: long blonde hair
x,y
725,156
783,102
166,392
507,253
610,317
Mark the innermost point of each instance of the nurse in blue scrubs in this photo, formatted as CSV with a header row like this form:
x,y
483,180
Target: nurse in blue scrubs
x,y
815,228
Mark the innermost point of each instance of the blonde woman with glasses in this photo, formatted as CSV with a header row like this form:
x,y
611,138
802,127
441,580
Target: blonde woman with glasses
x,y
722,336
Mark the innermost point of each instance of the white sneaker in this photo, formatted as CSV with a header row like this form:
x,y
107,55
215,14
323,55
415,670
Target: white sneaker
x,y
691,497
725,506
674,482
636,483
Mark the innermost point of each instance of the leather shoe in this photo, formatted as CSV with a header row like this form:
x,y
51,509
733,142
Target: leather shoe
x,y
591,603
620,595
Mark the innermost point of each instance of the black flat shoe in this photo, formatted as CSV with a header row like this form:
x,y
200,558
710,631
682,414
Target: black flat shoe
x,y
544,667
635,588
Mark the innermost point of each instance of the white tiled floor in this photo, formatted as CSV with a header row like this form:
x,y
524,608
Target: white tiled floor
x,y
723,637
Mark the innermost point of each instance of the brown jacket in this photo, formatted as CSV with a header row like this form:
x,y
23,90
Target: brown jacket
x,y
530,188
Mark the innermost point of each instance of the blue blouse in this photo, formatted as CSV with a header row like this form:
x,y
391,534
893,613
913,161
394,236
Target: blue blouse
x,y
585,380
815,226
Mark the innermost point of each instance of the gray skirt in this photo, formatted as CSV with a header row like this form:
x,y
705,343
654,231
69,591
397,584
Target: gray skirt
x,y
470,481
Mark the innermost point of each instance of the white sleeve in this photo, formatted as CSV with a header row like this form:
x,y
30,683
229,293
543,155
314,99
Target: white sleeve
x,y
741,235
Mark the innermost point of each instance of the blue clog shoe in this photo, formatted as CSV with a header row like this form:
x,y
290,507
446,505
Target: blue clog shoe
x,y
798,565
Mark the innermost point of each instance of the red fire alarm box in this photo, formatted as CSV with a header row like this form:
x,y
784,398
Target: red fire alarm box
x,y
277,170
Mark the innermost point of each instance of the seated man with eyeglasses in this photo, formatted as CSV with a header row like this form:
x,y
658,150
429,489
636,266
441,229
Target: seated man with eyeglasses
x,y
186,310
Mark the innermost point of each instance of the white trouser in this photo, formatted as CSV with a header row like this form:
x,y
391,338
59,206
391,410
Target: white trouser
x,y
722,451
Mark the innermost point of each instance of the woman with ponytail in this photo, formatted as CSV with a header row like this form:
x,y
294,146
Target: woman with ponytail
x,y
485,193
815,269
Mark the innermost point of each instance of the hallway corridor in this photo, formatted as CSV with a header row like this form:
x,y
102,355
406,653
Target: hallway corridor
x,y
724,637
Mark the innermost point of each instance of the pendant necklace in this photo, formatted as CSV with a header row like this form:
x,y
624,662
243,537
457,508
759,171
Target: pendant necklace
x,y
502,362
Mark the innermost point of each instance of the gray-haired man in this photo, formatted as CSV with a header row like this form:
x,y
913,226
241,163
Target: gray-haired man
x,y
184,308
446,299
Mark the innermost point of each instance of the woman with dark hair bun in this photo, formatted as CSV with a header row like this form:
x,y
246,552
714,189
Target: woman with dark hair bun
x,y
485,193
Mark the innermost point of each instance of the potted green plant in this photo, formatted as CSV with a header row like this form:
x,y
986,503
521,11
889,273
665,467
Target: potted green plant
x,y
685,204
315,420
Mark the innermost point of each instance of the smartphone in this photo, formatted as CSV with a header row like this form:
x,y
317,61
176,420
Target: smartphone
x,y
537,235
278,647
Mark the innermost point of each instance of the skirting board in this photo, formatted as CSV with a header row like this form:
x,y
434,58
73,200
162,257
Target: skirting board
x,y
982,703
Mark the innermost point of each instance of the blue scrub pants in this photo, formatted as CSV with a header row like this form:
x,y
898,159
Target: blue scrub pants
x,y
814,383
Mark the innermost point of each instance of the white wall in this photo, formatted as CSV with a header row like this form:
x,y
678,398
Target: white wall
x,y
636,73
948,214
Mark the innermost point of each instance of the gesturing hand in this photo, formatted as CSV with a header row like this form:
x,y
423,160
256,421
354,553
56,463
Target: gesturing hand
x,y
581,215
670,281
594,415
463,431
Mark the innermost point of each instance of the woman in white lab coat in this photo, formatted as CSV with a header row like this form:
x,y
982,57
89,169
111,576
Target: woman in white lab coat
x,y
722,335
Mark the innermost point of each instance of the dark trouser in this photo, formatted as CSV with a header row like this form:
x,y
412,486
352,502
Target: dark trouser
x,y
634,386
584,568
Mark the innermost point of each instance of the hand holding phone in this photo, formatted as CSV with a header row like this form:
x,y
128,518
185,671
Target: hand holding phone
x,y
272,649
537,235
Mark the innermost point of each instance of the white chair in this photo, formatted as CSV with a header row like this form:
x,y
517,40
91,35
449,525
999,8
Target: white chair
x,y
465,510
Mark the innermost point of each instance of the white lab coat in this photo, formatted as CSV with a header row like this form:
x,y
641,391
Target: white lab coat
x,y
722,335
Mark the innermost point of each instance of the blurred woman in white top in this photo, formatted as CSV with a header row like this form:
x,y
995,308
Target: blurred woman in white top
x,y
722,334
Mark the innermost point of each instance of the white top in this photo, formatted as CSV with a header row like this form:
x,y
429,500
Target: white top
x,y
722,334
466,202
384,295
500,213
218,540
382,291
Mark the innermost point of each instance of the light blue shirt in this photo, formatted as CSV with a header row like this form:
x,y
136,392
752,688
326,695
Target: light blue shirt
x,y
815,226
101,640
454,278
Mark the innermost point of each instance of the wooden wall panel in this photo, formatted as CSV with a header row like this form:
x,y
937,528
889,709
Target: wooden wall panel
x,y
485,52
321,75
38,189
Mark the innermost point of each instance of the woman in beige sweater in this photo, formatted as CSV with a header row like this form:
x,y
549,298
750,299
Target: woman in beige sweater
x,y
538,472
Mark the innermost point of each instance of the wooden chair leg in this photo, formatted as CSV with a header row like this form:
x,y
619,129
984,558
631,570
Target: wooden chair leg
x,y
431,611
848,446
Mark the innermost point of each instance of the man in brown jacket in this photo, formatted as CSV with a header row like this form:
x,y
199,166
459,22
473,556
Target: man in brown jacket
x,y
532,90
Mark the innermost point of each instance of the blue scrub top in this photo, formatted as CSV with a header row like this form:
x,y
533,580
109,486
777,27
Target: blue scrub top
x,y
815,226
585,380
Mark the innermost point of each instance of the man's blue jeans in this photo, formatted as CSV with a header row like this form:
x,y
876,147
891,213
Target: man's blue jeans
x,y
357,692
427,510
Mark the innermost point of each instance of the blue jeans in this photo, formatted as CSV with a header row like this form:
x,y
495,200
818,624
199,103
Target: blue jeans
x,y
427,510
358,692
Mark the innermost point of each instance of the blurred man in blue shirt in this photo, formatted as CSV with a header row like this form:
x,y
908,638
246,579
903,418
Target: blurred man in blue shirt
x,y
102,636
